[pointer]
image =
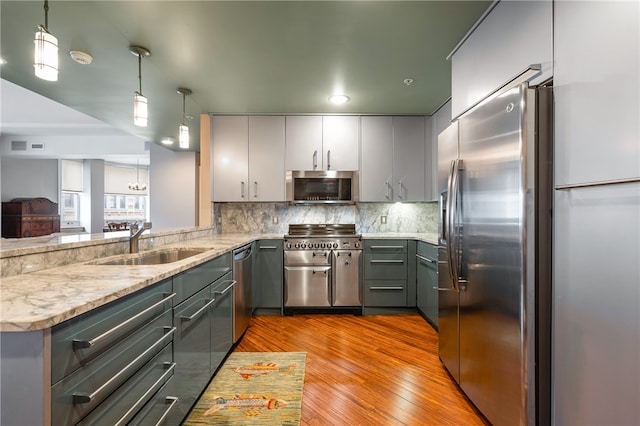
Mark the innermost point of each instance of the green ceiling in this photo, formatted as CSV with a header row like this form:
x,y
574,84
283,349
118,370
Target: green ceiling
x,y
241,57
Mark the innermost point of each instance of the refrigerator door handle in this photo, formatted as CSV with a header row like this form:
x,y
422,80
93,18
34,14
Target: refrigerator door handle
x,y
454,226
449,225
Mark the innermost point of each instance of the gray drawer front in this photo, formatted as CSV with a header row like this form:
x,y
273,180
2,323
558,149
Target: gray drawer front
x,y
385,266
387,293
195,279
221,321
106,373
122,405
427,250
159,409
67,356
385,246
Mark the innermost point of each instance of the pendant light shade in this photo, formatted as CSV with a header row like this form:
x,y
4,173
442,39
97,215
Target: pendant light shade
x,y
183,129
140,111
140,108
183,136
45,58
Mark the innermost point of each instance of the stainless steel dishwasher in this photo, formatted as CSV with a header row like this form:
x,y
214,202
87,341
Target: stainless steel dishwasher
x,y
243,305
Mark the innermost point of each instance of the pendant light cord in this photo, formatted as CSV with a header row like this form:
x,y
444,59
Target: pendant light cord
x,y
46,15
184,96
140,72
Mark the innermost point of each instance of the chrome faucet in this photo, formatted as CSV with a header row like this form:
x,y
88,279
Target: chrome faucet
x,y
134,235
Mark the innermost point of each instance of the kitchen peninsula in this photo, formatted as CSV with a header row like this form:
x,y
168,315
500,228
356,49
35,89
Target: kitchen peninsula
x,y
66,283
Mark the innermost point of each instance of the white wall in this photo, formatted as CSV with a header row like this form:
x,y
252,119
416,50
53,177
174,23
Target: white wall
x,y
172,188
22,177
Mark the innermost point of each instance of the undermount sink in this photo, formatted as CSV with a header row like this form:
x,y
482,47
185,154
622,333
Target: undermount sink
x,y
157,257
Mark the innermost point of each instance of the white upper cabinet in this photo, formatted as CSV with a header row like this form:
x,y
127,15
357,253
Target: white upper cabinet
x,y
322,143
340,135
409,158
376,172
247,158
596,88
266,158
514,35
303,142
230,157
394,160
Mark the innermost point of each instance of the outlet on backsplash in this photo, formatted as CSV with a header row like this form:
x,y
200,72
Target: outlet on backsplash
x,y
383,219
274,219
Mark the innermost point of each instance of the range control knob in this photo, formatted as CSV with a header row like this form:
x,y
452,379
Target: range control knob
x,y
316,245
303,245
288,245
335,245
321,245
356,244
297,245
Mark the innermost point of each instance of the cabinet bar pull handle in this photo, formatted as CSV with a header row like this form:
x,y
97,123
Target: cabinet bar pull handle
x,y
444,289
154,387
386,247
197,313
315,159
600,183
385,288
241,189
388,194
424,258
267,247
328,159
84,398
387,261
255,189
83,344
221,293
400,189
174,400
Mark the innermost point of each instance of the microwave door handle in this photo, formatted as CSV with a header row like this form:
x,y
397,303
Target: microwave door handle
x,y
329,160
315,159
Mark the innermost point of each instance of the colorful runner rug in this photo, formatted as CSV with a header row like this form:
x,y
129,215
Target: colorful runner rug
x,y
253,388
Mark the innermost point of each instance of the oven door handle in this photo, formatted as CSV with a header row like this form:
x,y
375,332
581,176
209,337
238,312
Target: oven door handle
x,y
322,253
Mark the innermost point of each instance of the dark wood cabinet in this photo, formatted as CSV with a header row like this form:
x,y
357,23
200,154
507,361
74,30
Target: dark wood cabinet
x,y
29,217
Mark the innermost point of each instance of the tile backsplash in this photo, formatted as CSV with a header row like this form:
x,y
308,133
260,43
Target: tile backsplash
x,y
230,218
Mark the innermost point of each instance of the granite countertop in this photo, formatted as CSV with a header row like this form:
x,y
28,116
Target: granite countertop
x,y
42,299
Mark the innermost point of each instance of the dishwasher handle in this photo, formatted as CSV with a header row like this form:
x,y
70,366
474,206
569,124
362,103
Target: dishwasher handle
x,y
242,253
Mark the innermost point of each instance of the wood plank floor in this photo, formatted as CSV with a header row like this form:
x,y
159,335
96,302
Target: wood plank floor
x,y
369,370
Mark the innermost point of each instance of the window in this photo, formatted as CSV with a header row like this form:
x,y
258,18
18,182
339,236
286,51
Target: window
x,y
70,210
125,208
72,187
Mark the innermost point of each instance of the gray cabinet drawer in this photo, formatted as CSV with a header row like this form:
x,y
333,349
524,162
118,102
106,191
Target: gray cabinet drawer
x,y
80,392
385,246
387,293
159,409
122,405
385,266
427,250
221,320
82,339
195,279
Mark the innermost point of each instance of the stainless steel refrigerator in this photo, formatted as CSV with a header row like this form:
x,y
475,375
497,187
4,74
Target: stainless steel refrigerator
x,y
494,255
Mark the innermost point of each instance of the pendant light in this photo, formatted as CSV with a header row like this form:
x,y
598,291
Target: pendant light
x,y
140,110
45,55
137,186
183,130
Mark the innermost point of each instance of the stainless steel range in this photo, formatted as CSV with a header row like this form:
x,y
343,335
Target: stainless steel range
x,y
322,269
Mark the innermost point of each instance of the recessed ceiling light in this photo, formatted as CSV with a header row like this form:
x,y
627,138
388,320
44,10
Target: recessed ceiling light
x,y
339,99
408,81
167,141
81,57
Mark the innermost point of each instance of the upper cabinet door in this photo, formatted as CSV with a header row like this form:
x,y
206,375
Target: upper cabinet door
x,y
596,87
229,158
376,173
409,158
303,142
266,158
514,35
340,136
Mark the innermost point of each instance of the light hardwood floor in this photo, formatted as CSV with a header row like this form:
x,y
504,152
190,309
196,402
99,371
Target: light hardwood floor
x,y
370,370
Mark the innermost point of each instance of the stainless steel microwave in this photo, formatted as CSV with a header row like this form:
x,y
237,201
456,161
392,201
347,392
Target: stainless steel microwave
x,y
322,187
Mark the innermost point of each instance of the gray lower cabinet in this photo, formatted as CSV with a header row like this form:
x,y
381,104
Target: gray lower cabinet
x,y
107,364
268,270
385,274
427,281
194,318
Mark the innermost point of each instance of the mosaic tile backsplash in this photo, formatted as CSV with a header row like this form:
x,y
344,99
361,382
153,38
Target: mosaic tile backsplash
x,y
275,217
